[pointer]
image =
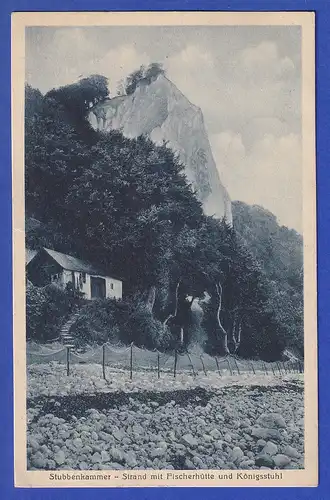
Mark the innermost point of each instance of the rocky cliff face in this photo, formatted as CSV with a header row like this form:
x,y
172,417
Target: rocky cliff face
x,y
160,111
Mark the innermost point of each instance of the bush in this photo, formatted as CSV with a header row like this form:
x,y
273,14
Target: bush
x,y
47,309
123,321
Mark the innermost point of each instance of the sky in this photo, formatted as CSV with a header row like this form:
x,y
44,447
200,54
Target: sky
x,y
246,80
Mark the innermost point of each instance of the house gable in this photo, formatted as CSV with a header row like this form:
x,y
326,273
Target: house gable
x,y
41,268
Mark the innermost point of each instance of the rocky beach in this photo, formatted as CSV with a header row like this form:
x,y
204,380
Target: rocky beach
x,y
82,422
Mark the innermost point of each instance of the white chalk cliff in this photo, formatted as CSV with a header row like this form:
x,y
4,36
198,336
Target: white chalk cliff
x,y
160,111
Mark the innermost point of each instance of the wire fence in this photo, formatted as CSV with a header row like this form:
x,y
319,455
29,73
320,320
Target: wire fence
x,y
134,359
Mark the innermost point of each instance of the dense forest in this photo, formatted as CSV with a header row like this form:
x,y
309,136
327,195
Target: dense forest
x,y
126,205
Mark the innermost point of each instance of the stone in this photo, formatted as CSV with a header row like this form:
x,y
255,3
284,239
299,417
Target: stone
x,y
162,444
38,461
105,436
198,462
215,434
130,459
271,421
83,466
189,440
261,443
189,464
117,434
227,437
117,454
246,463
236,454
291,452
105,457
96,457
77,442
94,436
207,438
281,460
264,461
158,452
51,464
270,449
266,434
59,457
33,443
218,445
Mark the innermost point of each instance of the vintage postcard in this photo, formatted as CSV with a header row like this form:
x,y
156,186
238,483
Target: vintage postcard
x,y
164,229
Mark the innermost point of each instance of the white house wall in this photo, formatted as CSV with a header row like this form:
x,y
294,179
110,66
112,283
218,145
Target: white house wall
x,y
113,288
67,277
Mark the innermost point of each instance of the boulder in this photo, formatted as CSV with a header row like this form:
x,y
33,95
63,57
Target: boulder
x,y
264,461
158,452
189,440
281,460
291,452
215,434
266,434
271,421
236,455
59,457
270,449
96,458
116,454
105,457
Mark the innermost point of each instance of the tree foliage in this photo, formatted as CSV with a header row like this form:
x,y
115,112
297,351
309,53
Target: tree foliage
x,y
143,75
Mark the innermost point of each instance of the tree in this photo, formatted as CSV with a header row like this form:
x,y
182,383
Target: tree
x,y
78,98
143,74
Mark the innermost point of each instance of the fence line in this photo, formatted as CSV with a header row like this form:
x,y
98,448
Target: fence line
x,y
133,358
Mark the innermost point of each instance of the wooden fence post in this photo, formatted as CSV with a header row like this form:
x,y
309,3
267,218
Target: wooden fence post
x,y
272,367
191,363
236,364
103,361
279,367
158,365
252,368
131,362
284,367
265,368
229,366
68,361
203,365
175,362
217,363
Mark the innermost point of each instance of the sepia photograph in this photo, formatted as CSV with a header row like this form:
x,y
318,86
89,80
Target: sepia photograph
x,y
164,261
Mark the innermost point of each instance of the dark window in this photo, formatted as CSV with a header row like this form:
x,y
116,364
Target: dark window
x,y
111,286
84,277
